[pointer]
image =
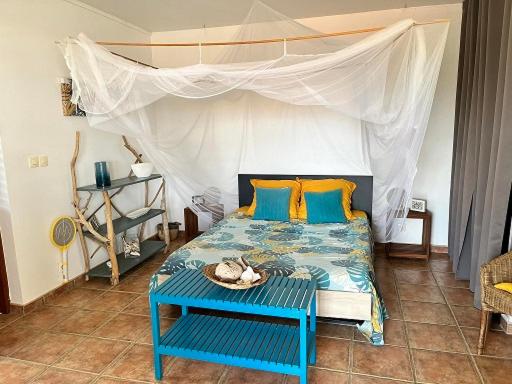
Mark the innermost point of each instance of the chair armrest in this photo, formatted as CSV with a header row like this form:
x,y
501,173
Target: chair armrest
x,y
497,270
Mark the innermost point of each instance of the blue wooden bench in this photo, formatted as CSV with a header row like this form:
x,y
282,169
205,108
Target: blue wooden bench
x,y
270,346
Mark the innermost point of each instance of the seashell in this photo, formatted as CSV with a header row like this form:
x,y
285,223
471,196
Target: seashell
x,y
243,263
249,276
256,277
229,271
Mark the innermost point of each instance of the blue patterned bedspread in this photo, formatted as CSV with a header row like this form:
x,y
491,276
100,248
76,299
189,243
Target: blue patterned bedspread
x,y
338,255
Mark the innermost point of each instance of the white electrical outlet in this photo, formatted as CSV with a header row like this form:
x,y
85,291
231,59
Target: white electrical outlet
x,y
43,160
33,161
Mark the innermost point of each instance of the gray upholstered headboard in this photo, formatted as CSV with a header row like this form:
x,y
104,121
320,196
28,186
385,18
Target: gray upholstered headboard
x,y
361,198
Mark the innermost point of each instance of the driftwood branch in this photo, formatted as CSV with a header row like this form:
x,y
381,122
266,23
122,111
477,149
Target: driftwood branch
x,y
117,209
87,202
111,244
165,219
76,203
96,250
138,156
81,219
156,195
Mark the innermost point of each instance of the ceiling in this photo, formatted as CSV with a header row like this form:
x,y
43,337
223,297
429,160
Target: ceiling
x,y
168,15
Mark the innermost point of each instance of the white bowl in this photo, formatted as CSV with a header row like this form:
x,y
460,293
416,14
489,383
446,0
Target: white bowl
x,y
142,169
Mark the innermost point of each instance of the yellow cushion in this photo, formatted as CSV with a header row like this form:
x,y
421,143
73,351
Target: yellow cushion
x,y
361,214
324,185
504,286
294,196
243,209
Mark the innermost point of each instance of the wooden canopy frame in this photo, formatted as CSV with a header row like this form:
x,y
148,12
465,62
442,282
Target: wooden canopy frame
x,y
263,41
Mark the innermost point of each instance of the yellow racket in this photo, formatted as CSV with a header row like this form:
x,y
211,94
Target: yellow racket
x,y
62,234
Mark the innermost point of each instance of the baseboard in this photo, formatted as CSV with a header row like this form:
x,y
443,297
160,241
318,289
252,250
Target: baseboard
x,y
439,249
433,248
41,300
77,281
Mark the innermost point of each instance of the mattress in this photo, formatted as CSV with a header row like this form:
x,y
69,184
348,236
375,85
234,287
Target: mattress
x,y
339,256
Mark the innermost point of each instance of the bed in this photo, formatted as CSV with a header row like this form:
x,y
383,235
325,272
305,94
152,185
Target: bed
x,y
339,256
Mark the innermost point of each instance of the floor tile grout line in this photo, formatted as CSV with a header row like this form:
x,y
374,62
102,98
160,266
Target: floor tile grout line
x,y
121,354
65,355
91,335
351,357
121,292
405,330
39,374
62,357
108,323
100,310
468,349
382,377
351,341
31,380
95,375
223,375
119,378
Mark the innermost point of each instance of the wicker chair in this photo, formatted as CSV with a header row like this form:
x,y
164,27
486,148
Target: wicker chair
x,y
496,271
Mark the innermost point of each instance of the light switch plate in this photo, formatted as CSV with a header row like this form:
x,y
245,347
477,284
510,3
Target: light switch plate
x,y
43,160
33,161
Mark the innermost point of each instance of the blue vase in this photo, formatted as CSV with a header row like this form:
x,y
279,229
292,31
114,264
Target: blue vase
x,y
102,175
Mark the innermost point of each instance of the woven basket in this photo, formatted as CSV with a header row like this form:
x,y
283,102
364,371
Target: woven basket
x,y
209,273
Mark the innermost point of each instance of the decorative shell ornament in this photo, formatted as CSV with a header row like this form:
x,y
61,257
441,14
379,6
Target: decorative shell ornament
x,y
249,276
235,274
229,271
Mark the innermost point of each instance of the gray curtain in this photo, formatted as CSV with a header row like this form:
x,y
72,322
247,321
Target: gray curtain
x,y
482,149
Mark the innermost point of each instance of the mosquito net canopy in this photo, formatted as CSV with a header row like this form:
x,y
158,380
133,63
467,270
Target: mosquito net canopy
x,y
359,102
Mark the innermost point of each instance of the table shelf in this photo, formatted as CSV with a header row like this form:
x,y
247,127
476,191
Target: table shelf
x,y
148,248
124,223
119,183
247,343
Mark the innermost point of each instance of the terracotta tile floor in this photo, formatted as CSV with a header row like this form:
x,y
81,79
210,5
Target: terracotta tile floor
x,y
98,334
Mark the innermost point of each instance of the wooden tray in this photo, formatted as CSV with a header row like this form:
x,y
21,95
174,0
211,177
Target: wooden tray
x,y
209,273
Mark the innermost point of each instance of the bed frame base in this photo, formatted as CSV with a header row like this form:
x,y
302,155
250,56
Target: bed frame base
x,y
344,305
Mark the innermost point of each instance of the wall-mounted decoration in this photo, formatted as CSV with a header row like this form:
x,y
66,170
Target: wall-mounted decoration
x,y
69,108
418,205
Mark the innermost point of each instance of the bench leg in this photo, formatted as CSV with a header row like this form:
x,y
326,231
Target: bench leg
x,y
303,347
155,331
184,310
312,328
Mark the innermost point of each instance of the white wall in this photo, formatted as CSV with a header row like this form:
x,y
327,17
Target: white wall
x,y
434,167
31,123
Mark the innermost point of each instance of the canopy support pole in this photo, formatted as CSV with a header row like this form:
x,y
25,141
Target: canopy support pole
x,y
264,41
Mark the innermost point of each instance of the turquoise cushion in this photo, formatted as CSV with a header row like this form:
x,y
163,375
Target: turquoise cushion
x,y
272,204
325,207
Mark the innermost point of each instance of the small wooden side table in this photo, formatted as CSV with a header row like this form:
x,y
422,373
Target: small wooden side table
x,y
414,251
191,224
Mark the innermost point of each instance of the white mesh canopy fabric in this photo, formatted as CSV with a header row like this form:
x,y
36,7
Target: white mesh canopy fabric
x,y
362,100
